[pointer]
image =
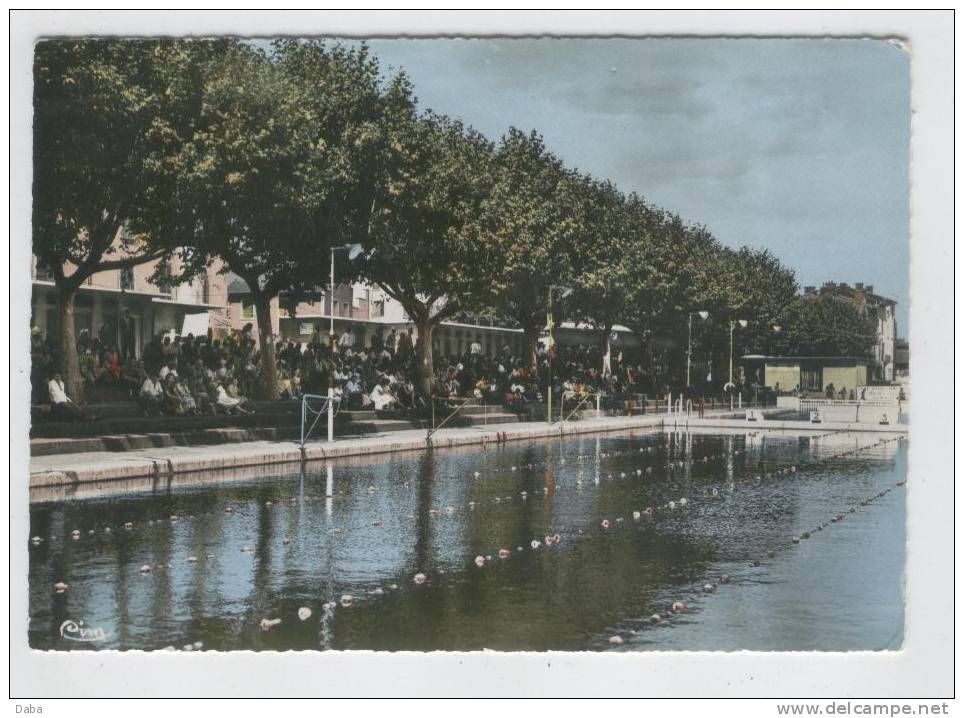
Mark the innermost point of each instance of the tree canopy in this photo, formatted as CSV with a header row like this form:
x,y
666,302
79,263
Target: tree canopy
x,y
107,115
531,220
426,241
268,157
825,325
281,163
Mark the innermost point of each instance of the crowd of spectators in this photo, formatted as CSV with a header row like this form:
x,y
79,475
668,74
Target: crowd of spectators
x,y
202,375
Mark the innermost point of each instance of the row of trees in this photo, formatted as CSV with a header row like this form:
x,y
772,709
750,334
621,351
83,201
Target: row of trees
x,y
197,150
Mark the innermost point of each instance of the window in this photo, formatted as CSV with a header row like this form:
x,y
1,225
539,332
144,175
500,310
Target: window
x,y
127,278
247,309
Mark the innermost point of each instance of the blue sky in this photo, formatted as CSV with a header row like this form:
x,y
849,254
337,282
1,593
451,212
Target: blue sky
x,y
800,146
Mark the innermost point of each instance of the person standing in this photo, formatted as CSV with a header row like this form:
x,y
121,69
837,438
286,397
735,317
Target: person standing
x,y
377,342
126,330
347,340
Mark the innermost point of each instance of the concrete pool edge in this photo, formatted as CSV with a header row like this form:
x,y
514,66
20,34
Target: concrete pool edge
x,y
159,463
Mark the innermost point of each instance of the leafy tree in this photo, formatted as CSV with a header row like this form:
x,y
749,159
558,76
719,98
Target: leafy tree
x,y
281,163
532,221
759,289
606,224
106,112
667,278
427,245
744,284
825,325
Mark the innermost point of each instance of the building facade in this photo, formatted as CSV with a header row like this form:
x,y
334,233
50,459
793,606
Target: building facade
x,y
884,353
367,310
808,376
112,303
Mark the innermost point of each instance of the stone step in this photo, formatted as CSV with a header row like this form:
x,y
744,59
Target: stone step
x,y
126,442
492,418
209,437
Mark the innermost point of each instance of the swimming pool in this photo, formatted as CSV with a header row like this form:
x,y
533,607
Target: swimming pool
x,y
642,521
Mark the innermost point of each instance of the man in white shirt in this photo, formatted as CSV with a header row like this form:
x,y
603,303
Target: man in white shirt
x,y
347,340
61,404
353,390
150,396
169,368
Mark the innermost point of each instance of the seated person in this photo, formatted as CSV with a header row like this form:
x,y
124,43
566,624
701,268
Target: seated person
x,y
451,384
170,401
150,396
515,398
296,384
406,394
90,368
169,368
481,390
226,403
132,377
113,365
284,385
197,385
233,390
62,406
382,396
188,405
568,389
353,391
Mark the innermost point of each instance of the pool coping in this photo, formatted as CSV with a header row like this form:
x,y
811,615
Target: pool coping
x,y
165,463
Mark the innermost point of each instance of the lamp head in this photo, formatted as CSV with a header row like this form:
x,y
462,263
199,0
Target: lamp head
x,y
704,315
743,323
354,250
564,292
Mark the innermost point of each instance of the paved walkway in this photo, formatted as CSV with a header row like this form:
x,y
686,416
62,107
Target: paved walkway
x,y
165,463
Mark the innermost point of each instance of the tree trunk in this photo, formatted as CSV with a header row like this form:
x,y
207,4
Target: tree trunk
x,y
426,370
531,335
69,361
269,368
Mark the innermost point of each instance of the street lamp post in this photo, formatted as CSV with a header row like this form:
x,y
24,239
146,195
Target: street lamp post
x,y
733,323
689,341
353,251
563,293
774,330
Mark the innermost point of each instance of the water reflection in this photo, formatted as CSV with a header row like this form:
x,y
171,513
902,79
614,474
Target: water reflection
x,y
365,529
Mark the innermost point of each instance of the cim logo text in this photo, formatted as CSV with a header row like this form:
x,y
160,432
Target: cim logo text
x,y
77,631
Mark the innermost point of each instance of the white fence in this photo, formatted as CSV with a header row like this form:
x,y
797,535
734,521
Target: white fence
x,y
877,411
864,412
879,393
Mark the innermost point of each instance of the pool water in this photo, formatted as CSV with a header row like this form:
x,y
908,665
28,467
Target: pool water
x,y
223,562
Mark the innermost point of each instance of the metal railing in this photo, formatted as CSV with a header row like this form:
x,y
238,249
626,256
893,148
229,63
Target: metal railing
x,y
306,410
582,402
455,411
